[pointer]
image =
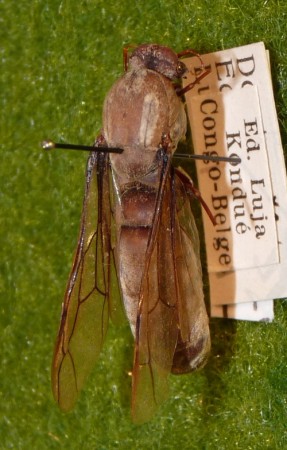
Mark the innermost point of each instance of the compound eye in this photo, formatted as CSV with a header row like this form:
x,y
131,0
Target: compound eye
x,y
180,68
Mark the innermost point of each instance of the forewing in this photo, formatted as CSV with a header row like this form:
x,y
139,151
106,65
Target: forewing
x,y
194,340
172,326
157,322
85,309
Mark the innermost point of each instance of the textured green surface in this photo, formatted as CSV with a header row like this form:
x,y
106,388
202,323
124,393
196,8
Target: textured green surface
x,y
59,59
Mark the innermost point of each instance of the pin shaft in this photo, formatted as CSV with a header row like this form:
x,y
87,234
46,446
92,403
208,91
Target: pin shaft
x,y
49,145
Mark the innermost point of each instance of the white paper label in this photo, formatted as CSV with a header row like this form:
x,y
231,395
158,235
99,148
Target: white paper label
x,y
232,111
239,195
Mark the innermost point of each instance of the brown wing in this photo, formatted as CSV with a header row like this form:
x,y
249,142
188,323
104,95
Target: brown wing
x,y
86,305
172,324
194,340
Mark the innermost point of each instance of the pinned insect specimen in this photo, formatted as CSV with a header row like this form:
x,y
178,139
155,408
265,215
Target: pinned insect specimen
x,y
137,231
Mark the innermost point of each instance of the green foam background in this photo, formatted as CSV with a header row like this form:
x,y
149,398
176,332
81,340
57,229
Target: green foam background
x,y
59,58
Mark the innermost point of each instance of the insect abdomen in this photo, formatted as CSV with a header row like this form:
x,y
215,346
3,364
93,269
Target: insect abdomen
x,y
136,211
